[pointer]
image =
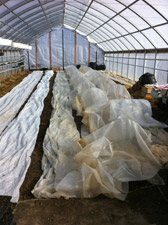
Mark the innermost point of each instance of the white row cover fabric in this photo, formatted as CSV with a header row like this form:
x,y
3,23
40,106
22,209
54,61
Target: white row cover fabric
x,y
98,111
18,140
61,95
88,98
100,163
114,26
12,101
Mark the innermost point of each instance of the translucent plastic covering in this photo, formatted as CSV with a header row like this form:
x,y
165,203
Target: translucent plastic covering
x,y
100,114
117,91
78,82
114,25
101,81
129,143
104,161
88,98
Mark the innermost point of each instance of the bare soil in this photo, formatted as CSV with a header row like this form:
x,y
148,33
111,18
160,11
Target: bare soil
x,y
9,82
77,212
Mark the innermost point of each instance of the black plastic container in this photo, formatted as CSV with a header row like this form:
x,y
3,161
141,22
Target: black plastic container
x,y
147,78
93,65
78,66
100,67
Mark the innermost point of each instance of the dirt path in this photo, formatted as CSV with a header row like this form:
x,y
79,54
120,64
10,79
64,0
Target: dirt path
x,y
144,206
99,211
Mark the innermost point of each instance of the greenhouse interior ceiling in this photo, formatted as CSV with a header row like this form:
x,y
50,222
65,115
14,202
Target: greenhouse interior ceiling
x,y
114,25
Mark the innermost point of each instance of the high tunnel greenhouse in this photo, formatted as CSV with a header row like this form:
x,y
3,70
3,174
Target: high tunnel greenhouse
x,y
83,112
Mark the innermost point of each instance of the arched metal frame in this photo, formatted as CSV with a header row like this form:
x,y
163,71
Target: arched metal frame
x,y
44,15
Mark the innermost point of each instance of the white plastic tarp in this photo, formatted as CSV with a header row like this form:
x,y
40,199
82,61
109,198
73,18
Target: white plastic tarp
x,y
88,98
84,69
131,158
61,100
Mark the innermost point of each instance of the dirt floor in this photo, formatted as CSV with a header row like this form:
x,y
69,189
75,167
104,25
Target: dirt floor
x,y
9,82
145,204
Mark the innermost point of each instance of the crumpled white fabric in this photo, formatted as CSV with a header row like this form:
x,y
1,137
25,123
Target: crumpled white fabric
x,y
115,154
159,144
128,137
18,140
60,145
13,100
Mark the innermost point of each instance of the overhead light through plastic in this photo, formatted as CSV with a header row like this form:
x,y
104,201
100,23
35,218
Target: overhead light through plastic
x,y
20,45
5,42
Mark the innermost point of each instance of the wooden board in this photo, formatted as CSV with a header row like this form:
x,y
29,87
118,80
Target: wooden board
x,y
56,69
146,95
147,89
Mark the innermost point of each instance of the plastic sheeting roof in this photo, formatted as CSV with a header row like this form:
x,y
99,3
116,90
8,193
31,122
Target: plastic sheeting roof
x,y
115,25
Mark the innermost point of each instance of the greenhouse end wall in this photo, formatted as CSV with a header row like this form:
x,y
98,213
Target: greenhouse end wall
x,y
43,50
